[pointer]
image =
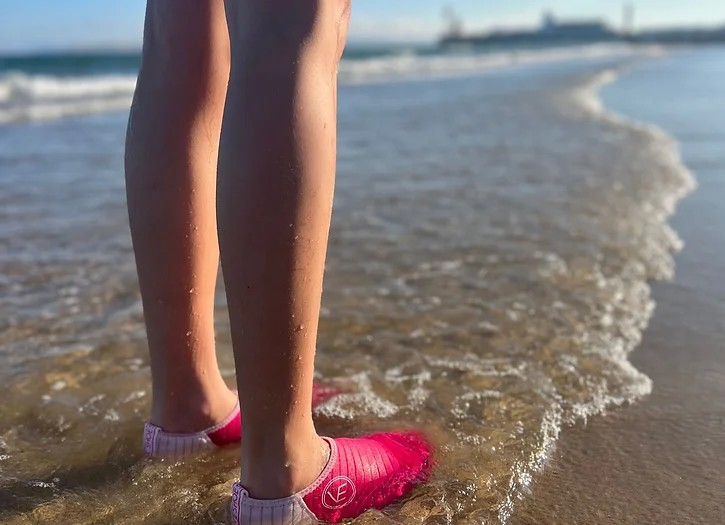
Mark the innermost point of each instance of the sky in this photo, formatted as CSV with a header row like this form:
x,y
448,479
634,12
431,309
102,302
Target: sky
x,y
40,25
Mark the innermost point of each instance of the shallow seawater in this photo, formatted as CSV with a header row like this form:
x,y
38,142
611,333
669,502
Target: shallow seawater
x,y
492,242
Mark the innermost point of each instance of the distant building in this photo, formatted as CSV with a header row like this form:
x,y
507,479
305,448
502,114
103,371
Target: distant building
x,y
555,32
573,29
454,22
628,10
551,30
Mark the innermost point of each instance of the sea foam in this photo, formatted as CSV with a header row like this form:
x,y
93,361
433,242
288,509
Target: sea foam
x,y
37,97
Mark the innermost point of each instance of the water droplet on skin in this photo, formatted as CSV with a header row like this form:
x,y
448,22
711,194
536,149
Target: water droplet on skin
x,y
299,328
188,334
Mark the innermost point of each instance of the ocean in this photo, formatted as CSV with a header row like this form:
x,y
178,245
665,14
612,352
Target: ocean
x,y
495,233
660,460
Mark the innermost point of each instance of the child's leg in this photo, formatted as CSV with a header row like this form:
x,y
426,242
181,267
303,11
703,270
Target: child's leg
x,y
276,178
171,157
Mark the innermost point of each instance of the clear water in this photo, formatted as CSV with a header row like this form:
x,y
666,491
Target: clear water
x,y
493,238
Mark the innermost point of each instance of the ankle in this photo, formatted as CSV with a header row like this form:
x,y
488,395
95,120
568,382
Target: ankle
x,y
273,472
193,407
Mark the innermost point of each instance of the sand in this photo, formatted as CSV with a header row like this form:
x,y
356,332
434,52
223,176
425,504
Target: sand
x,y
661,460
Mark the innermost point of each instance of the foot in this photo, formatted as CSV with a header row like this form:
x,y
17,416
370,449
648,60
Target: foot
x,y
157,443
361,474
181,439
192,406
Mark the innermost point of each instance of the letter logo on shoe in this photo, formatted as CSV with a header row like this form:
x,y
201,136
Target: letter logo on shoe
x,y
339,492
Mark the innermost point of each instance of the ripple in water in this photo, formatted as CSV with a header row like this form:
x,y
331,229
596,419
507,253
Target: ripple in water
x,y
487,279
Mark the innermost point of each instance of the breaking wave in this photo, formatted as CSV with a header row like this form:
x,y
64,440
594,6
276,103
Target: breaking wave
x,y
37,97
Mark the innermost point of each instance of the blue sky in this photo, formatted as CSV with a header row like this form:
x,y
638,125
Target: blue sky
x,y
61,24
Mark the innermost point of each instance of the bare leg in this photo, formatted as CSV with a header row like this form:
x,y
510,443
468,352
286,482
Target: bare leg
x,y
276,179
171,155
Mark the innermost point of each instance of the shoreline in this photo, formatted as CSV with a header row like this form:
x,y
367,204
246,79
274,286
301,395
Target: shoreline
x,y
576,219
656,461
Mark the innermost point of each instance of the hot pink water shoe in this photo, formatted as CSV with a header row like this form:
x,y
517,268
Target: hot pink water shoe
x,y
361,474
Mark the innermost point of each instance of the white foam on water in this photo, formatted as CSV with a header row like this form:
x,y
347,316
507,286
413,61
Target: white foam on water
x,y
360,400
26,97
631,384
587,97
507,411
412,66
52,111
41,87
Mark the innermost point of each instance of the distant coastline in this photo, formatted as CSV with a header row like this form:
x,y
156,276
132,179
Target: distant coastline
x,y
553,31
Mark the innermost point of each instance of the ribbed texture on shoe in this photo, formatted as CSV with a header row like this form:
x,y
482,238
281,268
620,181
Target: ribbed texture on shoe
x,y
160,444
362,473
287,511
370,472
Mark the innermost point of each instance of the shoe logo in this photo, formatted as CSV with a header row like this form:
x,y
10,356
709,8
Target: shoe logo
x,y
339,492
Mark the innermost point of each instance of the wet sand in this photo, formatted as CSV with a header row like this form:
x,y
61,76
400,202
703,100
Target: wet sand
x,y
661,460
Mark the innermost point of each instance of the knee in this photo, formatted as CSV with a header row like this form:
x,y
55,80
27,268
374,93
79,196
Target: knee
x,y
281,29
185,38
